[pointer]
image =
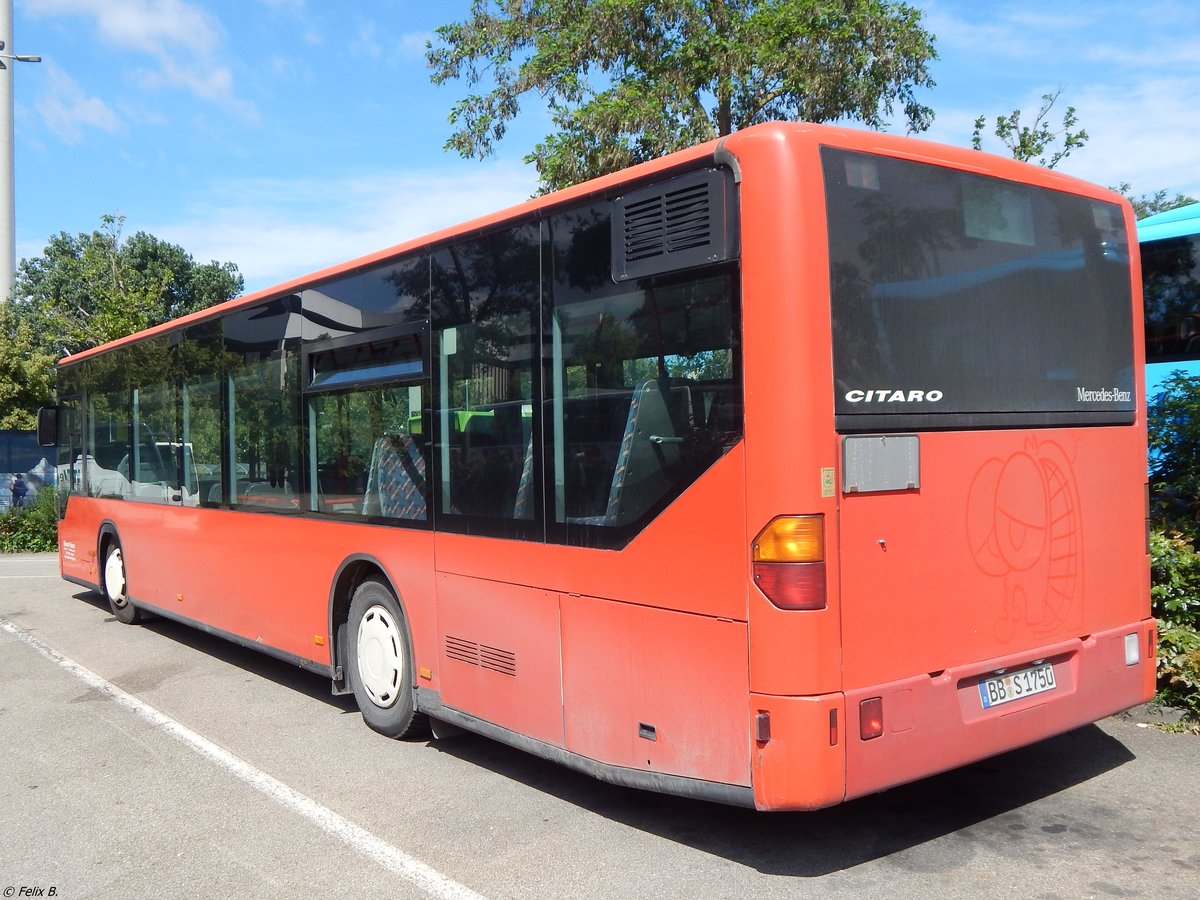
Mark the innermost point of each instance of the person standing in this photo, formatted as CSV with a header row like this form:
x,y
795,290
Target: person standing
x,y
19,490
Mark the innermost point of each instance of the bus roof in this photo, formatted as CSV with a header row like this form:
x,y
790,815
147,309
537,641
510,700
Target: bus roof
x,y
1178,222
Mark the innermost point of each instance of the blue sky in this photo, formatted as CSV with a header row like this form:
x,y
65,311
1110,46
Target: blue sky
x,y
286,135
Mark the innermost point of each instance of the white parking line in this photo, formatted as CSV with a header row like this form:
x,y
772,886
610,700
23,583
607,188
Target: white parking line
x,y
428,879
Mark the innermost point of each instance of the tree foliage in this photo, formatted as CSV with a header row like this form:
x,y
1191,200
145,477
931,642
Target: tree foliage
x,y
1031,143
626,81
87,289
1173,418
1150,204
26,379
1175,595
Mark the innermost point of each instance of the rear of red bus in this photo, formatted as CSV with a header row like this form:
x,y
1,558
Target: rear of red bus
x,y
945,456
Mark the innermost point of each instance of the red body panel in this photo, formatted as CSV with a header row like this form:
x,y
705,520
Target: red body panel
x,y
650,689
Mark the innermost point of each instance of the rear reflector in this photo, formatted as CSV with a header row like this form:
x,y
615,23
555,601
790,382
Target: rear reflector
x,y
762,727
870,718
1133,649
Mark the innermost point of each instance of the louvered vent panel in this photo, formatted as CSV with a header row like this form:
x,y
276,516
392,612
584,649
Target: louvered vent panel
x,y
481,656
686,221
463,651
644,232
502,661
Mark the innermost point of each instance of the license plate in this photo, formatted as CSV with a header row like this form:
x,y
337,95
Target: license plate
x,y
1015,685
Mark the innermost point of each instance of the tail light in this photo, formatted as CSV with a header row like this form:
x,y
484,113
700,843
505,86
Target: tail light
x,y
789,562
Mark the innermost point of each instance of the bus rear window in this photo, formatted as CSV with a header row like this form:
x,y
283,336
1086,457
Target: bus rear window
x,y
966,301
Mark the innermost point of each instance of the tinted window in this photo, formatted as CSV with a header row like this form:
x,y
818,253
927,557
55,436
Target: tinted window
x,y
1171,283
391,294
960,300
644,391
263,370
109,427
198,452
368,425
486,297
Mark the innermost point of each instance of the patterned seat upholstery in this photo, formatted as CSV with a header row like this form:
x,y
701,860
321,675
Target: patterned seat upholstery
x,y
523,507
396,483
647,450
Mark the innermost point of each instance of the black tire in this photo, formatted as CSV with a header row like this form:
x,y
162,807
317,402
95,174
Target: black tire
x,y
379,662
113,584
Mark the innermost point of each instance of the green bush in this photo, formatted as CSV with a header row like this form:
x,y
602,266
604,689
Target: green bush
x,y
30,530
1174,425
1175,597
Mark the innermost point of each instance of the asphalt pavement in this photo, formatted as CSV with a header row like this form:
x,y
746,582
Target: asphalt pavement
x,y
156,761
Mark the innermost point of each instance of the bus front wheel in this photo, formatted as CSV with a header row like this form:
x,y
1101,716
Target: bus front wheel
x,y
115,587
379,655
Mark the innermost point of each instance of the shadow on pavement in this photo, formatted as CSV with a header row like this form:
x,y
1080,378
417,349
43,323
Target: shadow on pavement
x,y
794,844
818,843
305,681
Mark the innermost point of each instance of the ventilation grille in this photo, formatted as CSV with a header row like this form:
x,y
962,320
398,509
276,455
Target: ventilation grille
x,y
481,656
683,222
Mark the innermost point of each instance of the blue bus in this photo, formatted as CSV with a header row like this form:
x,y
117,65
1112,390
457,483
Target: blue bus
x,y
1170,243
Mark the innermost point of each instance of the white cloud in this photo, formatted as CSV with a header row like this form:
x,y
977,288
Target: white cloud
x,y
1143,132
151,26
366,42
1145,135
1132,74
412,45
276,230
183,39
68,111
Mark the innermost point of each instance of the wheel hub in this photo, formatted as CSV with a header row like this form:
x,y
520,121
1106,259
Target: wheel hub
x,y
380,658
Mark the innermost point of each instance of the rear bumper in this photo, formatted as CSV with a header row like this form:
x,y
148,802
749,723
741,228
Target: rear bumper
x,y
936,722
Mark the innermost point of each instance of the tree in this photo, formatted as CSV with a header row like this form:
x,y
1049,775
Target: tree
x,y
92,288
1029,143
1150,204
627,81
26,380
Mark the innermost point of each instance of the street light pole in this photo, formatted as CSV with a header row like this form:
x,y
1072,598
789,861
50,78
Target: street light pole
x,y
8,207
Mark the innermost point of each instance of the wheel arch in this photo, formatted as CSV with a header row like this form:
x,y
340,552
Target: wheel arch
x,y
352,572
107,534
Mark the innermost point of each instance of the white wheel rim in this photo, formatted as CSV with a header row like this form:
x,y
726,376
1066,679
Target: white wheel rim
x,y
380,656
114,578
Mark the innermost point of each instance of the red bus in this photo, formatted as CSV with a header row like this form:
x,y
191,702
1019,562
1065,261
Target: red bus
x,y
775,472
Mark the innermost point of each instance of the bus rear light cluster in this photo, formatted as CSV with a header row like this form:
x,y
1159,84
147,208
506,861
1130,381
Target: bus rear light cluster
x,y
789,562
870,718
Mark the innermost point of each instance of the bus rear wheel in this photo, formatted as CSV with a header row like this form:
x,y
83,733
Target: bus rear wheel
x,y
115,587
379,654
